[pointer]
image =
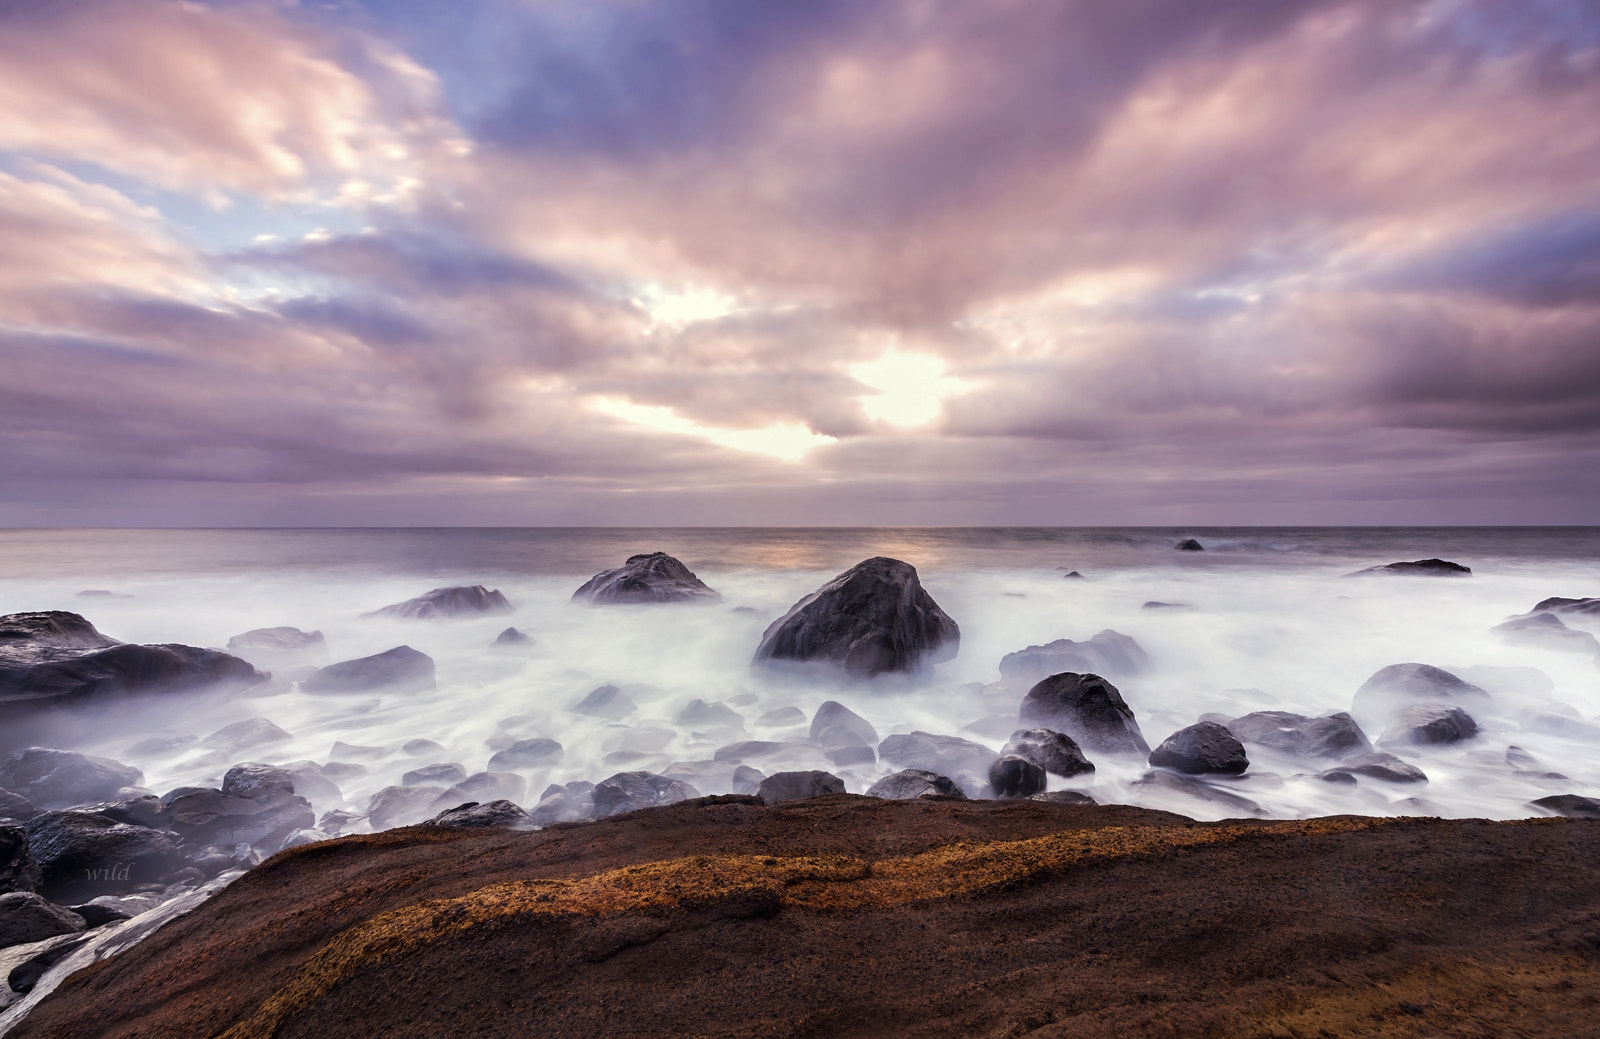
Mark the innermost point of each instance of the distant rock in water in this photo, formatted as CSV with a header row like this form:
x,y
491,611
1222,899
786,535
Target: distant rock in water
x,y
1106,653
1189,545
1419,567
1430,723
276,647
873,619
1072,575
630,791
1378,765
1331,737
1573,806
1156,604
1580,607
647,578
1202,748
1089,709
401,669
1546,631
56,656
945,755
1413,682
1160,781
607,701
463,601
511,638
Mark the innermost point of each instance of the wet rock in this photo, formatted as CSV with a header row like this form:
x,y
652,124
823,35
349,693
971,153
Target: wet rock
x,y
1429,723
795,786
751,749
1204,748
18,870
845,756
26,917
257,806
835,725
146,810
253,732
1064,797
533,753
746,779
1546,631
1162,781
417,748
1072,575
1189,545
606,702
401,669
1420,568
474,815
1055,752
97,914
444,774
1577,607
54,656
62,778
312,782
945,755
338,820
219,858
1106,653
279,647
1559,719
511,638
155,745
1333,736
403,805
84,852
14,806
1516,757
631,791
699,714
300,838
562,803
346,751
1573,806
252,779
443,603
1089,709
483,786
1015,776
875,618
783,717
652,577
1379,765
1399,683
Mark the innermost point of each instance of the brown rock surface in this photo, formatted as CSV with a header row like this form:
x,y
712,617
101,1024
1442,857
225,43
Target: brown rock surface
x,y
852,916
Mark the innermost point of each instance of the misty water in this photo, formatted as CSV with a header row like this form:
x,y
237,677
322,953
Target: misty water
x,y
1269,622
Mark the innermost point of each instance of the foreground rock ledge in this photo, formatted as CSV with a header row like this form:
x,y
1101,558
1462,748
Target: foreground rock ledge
x,y
852,915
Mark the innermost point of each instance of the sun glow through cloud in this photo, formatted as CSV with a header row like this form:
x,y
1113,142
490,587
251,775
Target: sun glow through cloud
x,y
912,388
785,441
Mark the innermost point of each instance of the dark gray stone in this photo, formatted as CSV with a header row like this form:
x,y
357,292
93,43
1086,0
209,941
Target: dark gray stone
x,y
401,669
1154,604
253,732
1013,775
512,638
257,807
1204,748
651,577
1189,545
631,791
85,852
312,782
1089,709
18,870
795,786
14,806
1105,653
945,755
441,603
445,774
25,975
254,780
1055,752
26,917
403,805
835,725
846,756
875,618
532,753
145,810
1516,757
563,803
1429,723
63,778
1064,797
750,749
474,815
1379,765
1419,568
417,748
1333,736
606,702
1573,806
911,783
337,820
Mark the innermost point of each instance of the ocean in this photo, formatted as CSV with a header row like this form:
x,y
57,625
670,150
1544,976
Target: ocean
x,y
1266,620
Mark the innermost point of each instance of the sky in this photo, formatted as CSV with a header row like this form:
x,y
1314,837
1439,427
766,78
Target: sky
x,y
833,262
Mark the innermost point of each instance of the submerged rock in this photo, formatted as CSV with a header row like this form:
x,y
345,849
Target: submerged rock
x,y
1413,682
1557,604
1105,653
1546,631
795,786
277,647
1420,567
483,786
441,603
1055,752
874,618
606,702
253,732
1013,775
1089,709
14,806
1161,780
474,815
1201,748
512,638
945,755
1573,806
561,803
1378,765
1189,545
651,577
1429,723
534,753
910,783
445,773
63,778
418,747
401,805
401,669
1333,736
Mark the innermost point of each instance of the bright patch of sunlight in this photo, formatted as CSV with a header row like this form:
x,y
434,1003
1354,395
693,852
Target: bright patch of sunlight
x,y
685,307
912,388
786,441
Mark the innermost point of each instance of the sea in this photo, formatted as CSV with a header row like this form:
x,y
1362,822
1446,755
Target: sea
x,y
1261,619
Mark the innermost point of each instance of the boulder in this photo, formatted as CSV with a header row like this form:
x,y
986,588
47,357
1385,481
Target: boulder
x,y
402,805
945,755
253,732
56,657
417,748
1072,575
401,669
1204,748
312,782
257,806
1575,607
1420,568
746,779
1333,736
279,647
698,714
483,786
1429,723
26,917
783,717
751,749
835,725
1573,806
441,603
606,702
14,806
1013,775
631,791
1106,653
85,852
533,753
1055,752
1516,757
1064,797
1401,683
254,780
146,810
444,774
1160,781
795,786
910,783
338,771
474,815
1546,631
154,745
512,638
562,803
18,870
875,618
337,820
1378,765
650,577
1089,709
62,778
1189,545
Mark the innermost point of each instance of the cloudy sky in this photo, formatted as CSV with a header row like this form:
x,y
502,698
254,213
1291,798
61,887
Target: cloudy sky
x,y
731,262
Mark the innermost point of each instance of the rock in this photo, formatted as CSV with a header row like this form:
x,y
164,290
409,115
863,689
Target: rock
x,y
845,756
14,806
339,771
1189,545
1013,775
1379,765
279,647
154,745
1579,607
445,774
146,810
1154,604
1516,757
483,786
98,913
534,753
1160,780
835,725
910,783
1546,631
1071,575
417,748
254,732
300,838
462,601
1412,682
512,638
254,780
401,669
1108,652
606,702
651,577
875,618
1089,709
1333,736
1420,567
1573,806
18,870
337,820
1204,748
750,749
26,917
945,755
783,717
56,656
473,815
746,779
1055,752
631,791
402,805
564,803
312,782
345,751
1064,797
257,806
1429,723
62,778
22,977
87,852
795,786
716,715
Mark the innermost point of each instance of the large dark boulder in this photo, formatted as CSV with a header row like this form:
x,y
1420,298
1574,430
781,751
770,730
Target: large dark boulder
x,y
1411,683
631,791
1106,653
945,755
56,656
795,786
1429,723
473,816
26,917
909,783
1573,806
18,870
462,601
875,618
1419,567
86,853
1055,752
1201,749
1333,736
63,778
1546,631
1089,709
1015,776
650,577
401,669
